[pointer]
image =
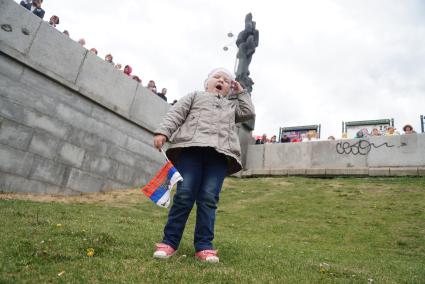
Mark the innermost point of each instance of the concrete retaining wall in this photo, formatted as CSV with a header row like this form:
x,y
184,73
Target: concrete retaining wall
x,y
53,140
69,122
375,156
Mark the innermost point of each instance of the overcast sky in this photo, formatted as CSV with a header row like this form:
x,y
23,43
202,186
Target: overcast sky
x,y
318,62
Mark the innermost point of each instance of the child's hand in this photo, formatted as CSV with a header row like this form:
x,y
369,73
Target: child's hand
x,y
237,88
159,140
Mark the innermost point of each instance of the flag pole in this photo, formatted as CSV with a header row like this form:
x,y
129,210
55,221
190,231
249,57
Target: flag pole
x,y
163,152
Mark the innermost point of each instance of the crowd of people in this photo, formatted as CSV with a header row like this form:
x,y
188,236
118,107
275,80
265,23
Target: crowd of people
x,y
390,131
35,7
313,136
309,136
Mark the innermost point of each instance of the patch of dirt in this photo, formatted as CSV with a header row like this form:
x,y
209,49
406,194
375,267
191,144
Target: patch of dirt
x,y
283,183
336,185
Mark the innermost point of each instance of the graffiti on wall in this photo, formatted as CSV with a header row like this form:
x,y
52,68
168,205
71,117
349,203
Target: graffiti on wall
x,y
361,147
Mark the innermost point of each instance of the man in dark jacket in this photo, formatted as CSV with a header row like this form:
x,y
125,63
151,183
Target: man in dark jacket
x,y
34,7
162,94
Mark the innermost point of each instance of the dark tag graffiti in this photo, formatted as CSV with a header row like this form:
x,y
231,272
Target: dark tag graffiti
x,y
361,147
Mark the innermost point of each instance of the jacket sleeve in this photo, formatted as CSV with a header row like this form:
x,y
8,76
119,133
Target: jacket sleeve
x,y
176,116
244,108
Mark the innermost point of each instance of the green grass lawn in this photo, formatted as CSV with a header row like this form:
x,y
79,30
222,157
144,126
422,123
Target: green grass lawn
x,y
268,230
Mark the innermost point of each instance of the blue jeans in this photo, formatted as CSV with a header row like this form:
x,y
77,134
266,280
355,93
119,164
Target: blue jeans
x,y
203,170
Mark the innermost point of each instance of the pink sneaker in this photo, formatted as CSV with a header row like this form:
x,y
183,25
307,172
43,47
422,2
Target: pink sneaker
x,y
207,255
163,251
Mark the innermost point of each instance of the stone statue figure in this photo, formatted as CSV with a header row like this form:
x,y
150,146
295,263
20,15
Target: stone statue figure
x,y
247,42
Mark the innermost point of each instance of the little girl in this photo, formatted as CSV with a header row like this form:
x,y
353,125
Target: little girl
x,y
204,147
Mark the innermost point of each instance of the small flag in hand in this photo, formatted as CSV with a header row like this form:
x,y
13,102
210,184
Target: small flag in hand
x,y
158,189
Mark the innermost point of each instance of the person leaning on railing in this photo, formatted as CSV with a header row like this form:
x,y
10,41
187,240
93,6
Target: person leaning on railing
x,y
34,6
408,129
391,131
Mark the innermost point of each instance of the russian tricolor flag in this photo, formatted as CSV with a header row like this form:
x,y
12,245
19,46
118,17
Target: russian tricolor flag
x,y
159,188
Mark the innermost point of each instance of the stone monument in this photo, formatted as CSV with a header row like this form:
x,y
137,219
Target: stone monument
x,y
246,42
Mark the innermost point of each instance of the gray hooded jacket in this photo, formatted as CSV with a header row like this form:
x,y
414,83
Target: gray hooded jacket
x,y
202,119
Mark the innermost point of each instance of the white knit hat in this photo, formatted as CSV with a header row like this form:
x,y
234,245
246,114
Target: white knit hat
x,y
216,70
